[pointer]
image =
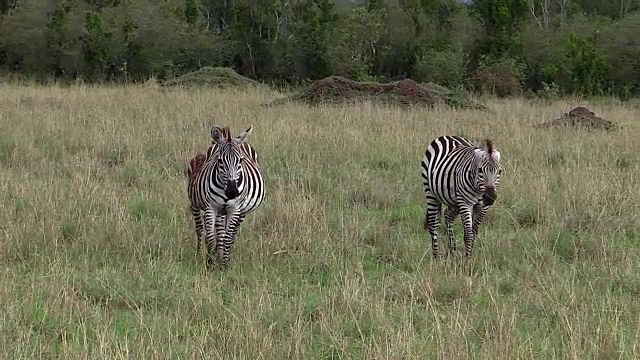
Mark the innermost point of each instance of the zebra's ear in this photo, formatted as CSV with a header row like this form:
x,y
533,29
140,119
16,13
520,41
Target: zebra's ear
x,y
216,134
479,156
243,137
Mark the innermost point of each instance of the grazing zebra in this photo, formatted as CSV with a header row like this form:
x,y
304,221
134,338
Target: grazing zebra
x,y
227,187
463,177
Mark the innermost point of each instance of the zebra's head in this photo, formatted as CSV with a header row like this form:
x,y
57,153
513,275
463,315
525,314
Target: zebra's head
x,y
489,170
230,157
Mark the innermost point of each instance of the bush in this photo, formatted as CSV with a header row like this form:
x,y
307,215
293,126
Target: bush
x,y
352,44
587,65
297,42
501,77
446,67
620,46
549,91
570,56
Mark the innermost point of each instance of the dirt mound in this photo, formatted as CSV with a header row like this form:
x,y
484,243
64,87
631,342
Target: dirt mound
x,y
406,92
212,77
580,117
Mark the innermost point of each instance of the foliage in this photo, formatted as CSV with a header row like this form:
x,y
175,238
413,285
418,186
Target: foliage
x,y
354,42
619,45
446,67
583,47
549,91
501,21
501,76
586,63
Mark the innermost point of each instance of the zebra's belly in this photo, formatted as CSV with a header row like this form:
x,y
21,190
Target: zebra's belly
x,y
240,205
447,199
444,195
248,204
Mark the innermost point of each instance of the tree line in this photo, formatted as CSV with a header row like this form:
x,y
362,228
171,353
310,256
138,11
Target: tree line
x,y
506,47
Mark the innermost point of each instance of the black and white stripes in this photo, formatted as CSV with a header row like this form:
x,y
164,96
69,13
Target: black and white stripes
x,y
227,187
463,177
226,184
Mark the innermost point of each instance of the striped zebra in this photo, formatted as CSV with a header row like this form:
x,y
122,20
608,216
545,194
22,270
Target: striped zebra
x,y
228,186
463,177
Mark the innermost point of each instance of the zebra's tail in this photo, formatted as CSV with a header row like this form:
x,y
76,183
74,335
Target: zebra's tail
x,y
426,220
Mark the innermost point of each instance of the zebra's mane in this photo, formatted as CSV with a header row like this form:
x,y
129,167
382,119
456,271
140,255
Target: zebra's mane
x,y
211,150
492,154
489,146
226,132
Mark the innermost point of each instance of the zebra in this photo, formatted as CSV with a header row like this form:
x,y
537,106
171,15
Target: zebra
x,y
195,164
228,186
463,177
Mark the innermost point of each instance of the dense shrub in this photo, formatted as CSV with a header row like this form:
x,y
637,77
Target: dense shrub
x,y
501,77
502,46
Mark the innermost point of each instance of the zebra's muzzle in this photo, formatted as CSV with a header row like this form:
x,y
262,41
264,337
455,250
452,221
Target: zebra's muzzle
x,y
231,192
489,196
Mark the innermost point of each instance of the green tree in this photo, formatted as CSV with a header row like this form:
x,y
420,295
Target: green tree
x,y
354,42
443,67
620,46
587,64
300,51
192,11
96,47
6,5
502,21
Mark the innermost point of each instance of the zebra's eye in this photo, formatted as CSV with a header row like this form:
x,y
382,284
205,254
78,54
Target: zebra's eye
x,y
480,171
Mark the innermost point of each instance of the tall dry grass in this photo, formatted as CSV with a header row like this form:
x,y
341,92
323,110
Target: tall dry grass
x,y
98,249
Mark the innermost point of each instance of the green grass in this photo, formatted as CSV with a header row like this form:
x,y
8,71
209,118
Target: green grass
x,y
97,246
211,76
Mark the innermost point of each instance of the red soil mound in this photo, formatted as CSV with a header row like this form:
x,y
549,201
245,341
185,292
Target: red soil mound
x,y
406,92
580,117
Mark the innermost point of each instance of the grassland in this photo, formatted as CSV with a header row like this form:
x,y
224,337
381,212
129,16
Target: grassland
x,y
97,247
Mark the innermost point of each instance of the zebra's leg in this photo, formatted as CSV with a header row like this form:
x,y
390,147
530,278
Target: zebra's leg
x,y
221,234
466,215
210,216
449,216
432,221
197,219
232,225
479,211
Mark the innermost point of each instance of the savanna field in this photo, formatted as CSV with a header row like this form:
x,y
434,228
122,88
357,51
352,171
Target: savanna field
x,y
98,246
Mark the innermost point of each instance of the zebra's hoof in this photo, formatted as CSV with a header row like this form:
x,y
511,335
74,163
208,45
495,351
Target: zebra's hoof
x,y
216,266
211,264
